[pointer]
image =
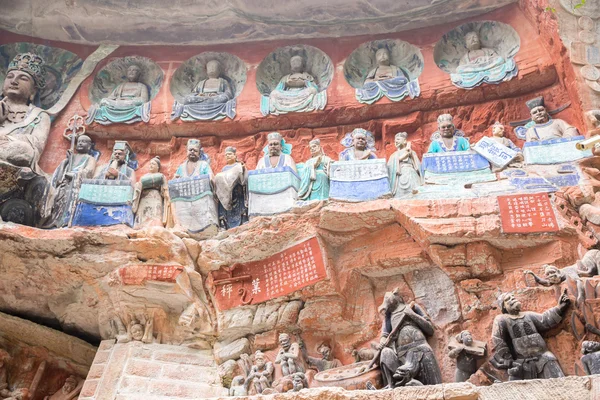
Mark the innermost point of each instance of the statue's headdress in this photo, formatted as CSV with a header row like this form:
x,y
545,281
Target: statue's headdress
x,y
286,148
402,134
444,118
31,63
348,140
533,103
315,141
230,149
194,142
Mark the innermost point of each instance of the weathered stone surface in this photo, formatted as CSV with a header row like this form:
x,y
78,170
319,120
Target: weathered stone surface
x,y
254,21
231,351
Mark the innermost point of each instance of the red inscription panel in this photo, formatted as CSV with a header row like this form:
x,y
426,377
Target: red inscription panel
x,y
284,273
527,213
138,274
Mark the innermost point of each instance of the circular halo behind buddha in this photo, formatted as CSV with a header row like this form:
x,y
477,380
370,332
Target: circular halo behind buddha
x,y
478,52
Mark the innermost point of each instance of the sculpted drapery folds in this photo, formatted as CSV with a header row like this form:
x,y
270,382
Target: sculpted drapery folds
x,y
231,189
314,178
151,203
404,168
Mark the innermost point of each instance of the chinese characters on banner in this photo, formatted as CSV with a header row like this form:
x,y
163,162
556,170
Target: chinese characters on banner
x,y
527,213
281,274
138,274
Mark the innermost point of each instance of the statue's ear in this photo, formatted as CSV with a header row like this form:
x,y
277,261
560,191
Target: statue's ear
x,y
396,291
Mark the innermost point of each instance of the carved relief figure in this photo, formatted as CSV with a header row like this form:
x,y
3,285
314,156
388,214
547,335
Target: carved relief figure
x,y
24,127
239,386
481,65
151,198
129,102
498,136
447,137
118,168
325,362
78,165
289,356
517,343
314,178
197,162
591,357
360,145
137,330
466,351
69,390
211,99
406,358
261,373
231,189
194,205
296,92
386,80
544,127
277,153
404,168
299,382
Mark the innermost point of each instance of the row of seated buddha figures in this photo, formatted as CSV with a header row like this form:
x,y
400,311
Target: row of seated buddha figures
x,y
404,357
295,78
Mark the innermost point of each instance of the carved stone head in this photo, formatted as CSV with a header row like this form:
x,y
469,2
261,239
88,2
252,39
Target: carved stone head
x,y
213,69
498,129
391,300
134,72
285,341
325,350
193,150
465,337
259,359
359,140
553,274
154,166
472,41
84,144
509,303
382,56
589,346
446,125
274,140
537,110
315,147
137,332
70,384
400,139
297,64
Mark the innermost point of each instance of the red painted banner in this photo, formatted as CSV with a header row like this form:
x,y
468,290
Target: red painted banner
x,y
527,213
138,274
281,274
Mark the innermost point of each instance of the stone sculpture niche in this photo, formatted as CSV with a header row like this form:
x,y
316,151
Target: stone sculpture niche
x,y
294,79
206,86
389,68
478,52
61,66
122,91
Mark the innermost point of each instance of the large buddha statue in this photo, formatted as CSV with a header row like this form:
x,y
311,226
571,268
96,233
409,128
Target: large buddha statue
x,y
544,127
296,92
447,137
24,127
387,80
128,102
211,99
482,65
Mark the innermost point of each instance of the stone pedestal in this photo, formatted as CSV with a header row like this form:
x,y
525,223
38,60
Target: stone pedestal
x,y
104,203
272,191
194,204
359,180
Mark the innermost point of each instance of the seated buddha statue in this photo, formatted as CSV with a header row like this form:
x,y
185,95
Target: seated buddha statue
x,y
296,92
129,102
211,99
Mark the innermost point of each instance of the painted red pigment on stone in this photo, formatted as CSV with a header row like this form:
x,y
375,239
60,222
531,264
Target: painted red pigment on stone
x,y
138,274
281,274
527,213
